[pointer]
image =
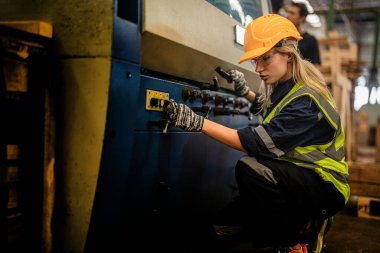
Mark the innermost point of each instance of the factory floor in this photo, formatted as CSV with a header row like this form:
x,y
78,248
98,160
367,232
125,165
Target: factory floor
x,y
349,234
352,234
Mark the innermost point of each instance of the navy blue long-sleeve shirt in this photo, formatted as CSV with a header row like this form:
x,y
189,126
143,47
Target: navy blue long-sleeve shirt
x,y
298,124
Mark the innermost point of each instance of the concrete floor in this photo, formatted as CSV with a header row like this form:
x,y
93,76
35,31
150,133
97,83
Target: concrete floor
x,y
352,234
349,234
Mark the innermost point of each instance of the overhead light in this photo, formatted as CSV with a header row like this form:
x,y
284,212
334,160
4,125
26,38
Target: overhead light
x,y
313,20
361,97
308,5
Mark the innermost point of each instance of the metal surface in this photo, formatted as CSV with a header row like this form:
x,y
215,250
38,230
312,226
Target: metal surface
x,y
189,39
159,189
126,39
177,178
148,177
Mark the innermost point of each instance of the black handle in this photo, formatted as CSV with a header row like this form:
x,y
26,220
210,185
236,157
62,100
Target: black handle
x,y
224,74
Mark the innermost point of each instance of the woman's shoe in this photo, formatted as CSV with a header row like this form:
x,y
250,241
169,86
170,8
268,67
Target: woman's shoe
x,y
304,249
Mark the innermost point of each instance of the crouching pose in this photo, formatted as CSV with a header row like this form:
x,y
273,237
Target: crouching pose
x,y
294,170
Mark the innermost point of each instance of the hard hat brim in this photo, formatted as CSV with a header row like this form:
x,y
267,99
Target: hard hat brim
x,y
260,51
253,54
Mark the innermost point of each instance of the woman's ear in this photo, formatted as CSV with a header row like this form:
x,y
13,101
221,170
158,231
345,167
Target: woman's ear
x,y
289,58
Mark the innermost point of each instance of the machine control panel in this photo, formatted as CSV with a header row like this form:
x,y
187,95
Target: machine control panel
x,y
203,102
156,100
219,100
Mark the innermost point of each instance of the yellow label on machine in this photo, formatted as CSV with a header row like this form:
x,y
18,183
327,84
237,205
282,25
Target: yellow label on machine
x,y
155,100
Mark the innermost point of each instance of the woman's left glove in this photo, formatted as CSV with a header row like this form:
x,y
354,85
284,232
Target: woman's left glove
x,y
241,88
182,116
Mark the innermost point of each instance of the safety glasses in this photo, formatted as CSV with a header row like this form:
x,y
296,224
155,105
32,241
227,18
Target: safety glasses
x,y
264,60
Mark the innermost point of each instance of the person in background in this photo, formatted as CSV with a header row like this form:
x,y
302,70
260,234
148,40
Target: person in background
x,y
308,46
278,7
293,175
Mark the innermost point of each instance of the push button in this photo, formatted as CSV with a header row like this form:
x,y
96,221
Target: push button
x,y
156,100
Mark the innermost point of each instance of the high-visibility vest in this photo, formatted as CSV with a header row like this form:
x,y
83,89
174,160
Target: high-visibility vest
x,y
328,160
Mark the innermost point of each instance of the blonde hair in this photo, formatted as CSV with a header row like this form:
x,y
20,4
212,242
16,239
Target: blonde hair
x,y
303,72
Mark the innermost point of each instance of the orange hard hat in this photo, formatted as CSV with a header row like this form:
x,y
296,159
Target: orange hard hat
x,y
264,33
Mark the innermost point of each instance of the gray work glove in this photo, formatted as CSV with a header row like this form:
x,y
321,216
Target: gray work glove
x,y
241,88
182,116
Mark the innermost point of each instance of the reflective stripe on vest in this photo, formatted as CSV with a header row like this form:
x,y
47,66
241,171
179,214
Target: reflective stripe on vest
x,y
268,141
328,160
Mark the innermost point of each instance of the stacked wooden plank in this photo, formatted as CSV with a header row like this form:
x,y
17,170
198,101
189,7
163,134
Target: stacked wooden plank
x,y
365,179
18,83
340,67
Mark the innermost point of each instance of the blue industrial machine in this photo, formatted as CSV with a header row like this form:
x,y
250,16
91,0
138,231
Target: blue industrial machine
x,y
159,186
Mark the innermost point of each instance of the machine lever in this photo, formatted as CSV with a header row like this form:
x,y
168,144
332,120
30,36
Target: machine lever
x,y
230,111
215,84
165,129
204,109
224,74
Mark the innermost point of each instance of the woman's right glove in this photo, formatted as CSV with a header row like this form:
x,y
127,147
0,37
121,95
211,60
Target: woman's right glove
x,y
241,88
182,116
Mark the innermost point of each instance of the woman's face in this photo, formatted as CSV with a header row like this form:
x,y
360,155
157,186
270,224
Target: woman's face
x,y
273,67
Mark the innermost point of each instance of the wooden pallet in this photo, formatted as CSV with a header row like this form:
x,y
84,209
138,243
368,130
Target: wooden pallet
x,y
32,26
340,67
46,30
365,179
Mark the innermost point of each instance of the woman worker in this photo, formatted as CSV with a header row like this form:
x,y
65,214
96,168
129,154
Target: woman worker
x,y
294,170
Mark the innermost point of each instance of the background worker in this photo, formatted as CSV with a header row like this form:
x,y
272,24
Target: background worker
x,y
295,169
308,46
278,7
